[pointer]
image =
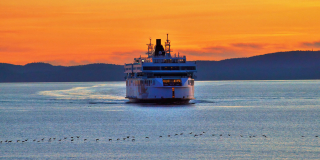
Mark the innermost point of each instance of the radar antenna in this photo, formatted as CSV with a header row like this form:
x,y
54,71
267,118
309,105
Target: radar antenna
x,y
150,48
167,46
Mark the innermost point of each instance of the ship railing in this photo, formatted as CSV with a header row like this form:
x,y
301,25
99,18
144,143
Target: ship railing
x,y
171,56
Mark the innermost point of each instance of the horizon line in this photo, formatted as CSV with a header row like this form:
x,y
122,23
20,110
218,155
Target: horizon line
x,y
190,61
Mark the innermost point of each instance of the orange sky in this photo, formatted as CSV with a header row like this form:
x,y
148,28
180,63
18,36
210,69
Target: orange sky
x,y
72,32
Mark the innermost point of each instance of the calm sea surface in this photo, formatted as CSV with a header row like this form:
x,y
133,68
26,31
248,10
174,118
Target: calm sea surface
x,y
228,120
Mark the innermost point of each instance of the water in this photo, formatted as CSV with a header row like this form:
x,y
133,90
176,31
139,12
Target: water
x,y
265,120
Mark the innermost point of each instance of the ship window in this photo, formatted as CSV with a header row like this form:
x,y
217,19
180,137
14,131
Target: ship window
x,y
171,74
170,68
191,82
168,61
151,68
188,67
172,82
173,95
182,60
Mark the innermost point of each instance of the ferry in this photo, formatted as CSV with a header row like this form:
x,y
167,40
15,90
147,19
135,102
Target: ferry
x,y
160,77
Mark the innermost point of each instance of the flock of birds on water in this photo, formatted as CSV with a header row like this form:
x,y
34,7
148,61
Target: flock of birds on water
x,y
126,138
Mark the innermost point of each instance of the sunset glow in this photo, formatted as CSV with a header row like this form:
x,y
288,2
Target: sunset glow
x,y
73,32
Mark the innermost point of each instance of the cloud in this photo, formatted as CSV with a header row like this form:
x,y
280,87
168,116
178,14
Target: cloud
x,y
110,58
13,49
8,31
131,53
213,53
248,45
311,44
232,50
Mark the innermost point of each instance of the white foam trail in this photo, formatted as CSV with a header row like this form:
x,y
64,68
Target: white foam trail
x,y
82,93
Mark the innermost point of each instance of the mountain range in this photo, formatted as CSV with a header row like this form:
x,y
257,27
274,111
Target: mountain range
x,y
291,65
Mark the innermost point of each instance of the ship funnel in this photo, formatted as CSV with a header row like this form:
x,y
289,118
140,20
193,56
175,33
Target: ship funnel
x,y
158,42
159,50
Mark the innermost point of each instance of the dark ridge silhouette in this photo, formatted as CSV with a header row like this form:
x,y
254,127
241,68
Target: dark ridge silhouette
x,y
293,65
43,72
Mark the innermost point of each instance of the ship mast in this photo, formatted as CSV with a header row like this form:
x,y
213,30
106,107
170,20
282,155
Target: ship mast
x,y
167,46
150,48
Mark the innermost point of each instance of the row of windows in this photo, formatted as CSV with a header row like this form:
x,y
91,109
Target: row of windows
x,y
170,68
172,82
169,60
166,82
191,82
140,82
134,68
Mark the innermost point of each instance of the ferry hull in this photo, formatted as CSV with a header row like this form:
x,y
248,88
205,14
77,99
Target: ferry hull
x,y
156,92
163,100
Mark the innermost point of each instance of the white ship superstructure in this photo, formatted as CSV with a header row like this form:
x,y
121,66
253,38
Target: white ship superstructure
x,y
160,77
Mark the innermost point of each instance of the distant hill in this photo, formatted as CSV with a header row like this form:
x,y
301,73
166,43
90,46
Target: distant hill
x,y
43,72
291,65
